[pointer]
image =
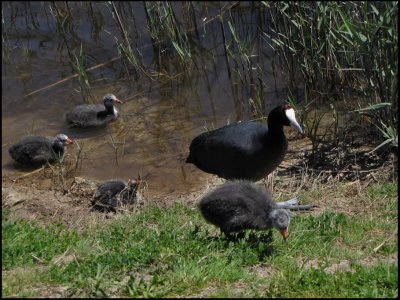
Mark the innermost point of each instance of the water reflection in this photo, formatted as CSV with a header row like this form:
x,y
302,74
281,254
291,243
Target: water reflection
x,y
163,109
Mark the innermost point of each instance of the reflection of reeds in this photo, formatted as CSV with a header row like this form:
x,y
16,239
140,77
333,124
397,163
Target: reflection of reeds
x,y
61,13
124,47
32,131
115,146
128,54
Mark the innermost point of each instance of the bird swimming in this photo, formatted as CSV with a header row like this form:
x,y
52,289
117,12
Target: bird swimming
x,y
92,115
38,150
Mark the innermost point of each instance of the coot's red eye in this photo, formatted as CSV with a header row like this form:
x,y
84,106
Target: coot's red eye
x,y
287,106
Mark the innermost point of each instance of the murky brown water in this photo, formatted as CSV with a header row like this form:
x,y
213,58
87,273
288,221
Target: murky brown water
x,y
159,117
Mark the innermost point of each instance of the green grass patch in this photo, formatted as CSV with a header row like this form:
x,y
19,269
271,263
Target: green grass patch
x,y
377,281
21,240
166,252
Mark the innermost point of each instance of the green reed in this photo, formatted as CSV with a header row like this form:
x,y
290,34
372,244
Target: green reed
x,y
386,127
165,30
337,46
79,67
78,155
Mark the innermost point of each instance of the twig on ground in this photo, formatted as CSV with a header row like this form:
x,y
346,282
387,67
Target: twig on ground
x,y
62,256
28,174
376,249
37,258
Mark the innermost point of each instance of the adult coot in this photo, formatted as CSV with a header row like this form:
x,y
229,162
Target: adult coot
x,y
238,205
113,193
90,115
244,150
37,150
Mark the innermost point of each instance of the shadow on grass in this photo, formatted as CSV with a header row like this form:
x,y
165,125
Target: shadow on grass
x,y
258,241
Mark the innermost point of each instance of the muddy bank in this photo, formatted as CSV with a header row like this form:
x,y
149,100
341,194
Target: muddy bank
x,y
44,196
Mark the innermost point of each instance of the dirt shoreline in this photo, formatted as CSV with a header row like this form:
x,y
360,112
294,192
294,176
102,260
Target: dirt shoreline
x,y
37,198
47,198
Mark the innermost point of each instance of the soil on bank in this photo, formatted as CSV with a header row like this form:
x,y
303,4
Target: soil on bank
x,y
45,197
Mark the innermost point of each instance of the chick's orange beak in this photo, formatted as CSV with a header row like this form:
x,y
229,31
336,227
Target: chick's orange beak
x,y
69,141
117,101
284,233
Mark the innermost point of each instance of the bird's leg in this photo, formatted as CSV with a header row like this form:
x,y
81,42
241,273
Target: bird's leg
x,y
298,207
293,204
293,201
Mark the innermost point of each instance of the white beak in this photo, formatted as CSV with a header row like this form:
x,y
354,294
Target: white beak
x,y
292,118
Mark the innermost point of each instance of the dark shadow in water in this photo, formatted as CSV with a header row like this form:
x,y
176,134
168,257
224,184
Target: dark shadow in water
x,y
89,132
13,165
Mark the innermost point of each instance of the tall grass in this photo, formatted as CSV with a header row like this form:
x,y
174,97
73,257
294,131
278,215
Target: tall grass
x,y
338,46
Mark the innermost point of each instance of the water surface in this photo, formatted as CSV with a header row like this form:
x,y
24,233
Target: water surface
x,y
159,116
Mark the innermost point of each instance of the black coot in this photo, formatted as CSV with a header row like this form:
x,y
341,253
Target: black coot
x,y
91,115
112,194
244,150
238,205
37,150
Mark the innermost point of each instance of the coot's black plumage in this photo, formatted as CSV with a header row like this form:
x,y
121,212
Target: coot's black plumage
x,y
238,205
37,150
244,150
113,193
91,115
